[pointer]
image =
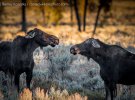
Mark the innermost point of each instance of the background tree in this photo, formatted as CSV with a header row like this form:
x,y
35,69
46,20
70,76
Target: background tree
x,y
106,4
77,15
84,17
24,16
71,11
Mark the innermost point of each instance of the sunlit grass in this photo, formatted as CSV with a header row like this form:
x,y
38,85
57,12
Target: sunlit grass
x,y
53,94
123,35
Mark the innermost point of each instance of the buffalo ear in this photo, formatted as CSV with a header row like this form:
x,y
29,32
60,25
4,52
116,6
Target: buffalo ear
x,y
95,44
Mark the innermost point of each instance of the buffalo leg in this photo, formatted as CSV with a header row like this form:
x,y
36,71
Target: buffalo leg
x,y
28,78
16,80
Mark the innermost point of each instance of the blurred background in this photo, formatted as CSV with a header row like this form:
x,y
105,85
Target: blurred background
x,y
72,21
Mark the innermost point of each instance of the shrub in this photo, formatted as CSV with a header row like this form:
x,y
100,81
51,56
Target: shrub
x,y
53,94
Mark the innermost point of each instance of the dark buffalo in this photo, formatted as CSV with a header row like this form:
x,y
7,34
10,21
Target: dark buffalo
x,y
117,65
16,57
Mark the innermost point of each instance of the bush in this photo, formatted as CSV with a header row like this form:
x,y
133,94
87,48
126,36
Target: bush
x,y
56,67
53,94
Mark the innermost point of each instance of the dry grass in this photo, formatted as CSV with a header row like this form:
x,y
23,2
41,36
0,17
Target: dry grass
x,y
123,35
25,95
40,94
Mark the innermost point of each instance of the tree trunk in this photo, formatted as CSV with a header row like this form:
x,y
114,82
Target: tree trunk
x,y
77,15
24,17
98,13
71,11
85,12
